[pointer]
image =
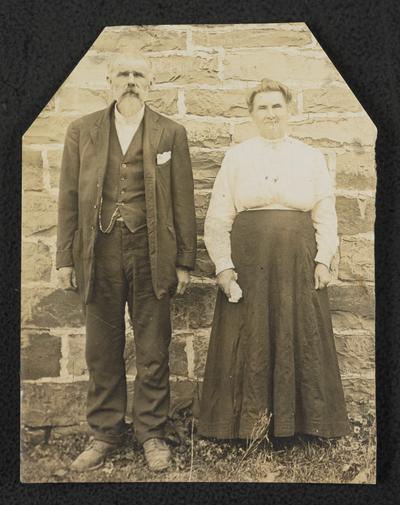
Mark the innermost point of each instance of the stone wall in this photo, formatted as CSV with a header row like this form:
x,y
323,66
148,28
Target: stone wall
x,y
203,74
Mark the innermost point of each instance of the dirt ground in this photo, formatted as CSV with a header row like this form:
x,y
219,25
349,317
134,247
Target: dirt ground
x,y
195,459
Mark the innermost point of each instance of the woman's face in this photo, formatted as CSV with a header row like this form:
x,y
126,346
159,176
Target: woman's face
x,y
270,114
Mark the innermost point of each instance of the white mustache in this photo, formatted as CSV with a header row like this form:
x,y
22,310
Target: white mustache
x,y
132,91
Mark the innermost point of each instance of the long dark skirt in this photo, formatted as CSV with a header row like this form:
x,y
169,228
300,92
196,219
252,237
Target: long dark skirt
x,y
273,352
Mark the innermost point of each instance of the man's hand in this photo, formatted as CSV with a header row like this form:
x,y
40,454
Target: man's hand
x,y
322,277
224,280
66,278
183,280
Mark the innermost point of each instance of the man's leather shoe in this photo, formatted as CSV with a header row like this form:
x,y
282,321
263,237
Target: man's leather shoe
x,y
157,454
93,457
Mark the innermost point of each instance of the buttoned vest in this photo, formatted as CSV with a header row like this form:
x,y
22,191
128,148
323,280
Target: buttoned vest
x,y
123,188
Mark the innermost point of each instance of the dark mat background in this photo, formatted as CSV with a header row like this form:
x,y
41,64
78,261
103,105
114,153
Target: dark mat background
x,y
40,43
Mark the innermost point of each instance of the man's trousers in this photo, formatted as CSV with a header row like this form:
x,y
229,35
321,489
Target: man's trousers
x,y
122,275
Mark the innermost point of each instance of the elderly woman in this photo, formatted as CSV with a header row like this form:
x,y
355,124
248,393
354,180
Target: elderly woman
x,y
271,225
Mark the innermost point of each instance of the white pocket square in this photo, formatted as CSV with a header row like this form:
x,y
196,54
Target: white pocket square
x,y
163,157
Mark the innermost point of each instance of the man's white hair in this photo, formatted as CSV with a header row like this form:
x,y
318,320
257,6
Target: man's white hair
x,y
115,58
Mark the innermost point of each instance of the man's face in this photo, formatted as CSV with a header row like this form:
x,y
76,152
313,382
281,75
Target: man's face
x,y
270,114
130,79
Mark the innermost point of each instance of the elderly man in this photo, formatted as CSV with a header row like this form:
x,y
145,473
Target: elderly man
x,y
126,235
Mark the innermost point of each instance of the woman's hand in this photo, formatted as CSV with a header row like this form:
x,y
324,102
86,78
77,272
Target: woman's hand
x,y
322,276
224,280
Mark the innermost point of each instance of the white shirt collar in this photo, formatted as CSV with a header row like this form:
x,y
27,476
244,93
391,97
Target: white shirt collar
x,y
131,121
264,141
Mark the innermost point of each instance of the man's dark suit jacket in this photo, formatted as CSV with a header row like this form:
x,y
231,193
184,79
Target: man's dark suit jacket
x,y
171,223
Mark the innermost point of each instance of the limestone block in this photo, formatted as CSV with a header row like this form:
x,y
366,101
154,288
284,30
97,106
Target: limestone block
x,y
356,169
48,130
76,363
204,179
204,265
131,39
267,37
55,308
355,215
40,355
200,225
344,322
206,102
358,390
356,258
32,170
355,131
206,160
178,361
196,307
332,99
39,212
179,314
357,299
185,69
355,353
50,106
205,167
200,343
226,103
64,404
54,158
201,202
207,133
36,262
53,404
260,63
164,101
90,72
83,101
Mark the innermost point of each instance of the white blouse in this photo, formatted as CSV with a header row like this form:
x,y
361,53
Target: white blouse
x,y
271,174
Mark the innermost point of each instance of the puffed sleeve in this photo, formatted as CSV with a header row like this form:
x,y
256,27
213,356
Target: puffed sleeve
x,y
220,216
324,213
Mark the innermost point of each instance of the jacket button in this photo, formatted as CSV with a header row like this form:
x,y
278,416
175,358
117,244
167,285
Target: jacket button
x,y
123,165
95,206
97,185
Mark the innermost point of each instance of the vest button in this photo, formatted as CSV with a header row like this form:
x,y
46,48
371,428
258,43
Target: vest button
x,y
123,165
95,206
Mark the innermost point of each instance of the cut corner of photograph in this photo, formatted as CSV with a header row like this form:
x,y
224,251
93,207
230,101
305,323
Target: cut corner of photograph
x,y
227,358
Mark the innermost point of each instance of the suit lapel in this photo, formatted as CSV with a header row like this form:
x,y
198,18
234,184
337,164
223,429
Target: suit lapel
x,y
151,138
100,136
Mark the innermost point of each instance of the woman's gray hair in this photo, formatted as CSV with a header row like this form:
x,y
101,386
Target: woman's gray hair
x,y
268,85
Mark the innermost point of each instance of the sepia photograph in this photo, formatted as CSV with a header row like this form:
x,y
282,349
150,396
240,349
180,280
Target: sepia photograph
x,y
197,267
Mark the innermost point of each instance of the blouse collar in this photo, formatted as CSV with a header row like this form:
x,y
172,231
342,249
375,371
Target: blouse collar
x,y
274,142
